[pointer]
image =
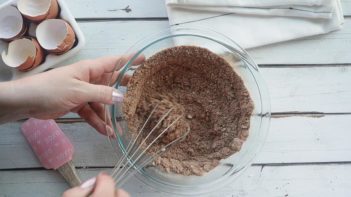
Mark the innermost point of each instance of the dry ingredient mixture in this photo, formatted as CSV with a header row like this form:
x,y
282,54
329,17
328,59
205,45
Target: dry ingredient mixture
x,y
207,98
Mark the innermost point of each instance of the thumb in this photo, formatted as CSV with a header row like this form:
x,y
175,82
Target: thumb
x,y
101,94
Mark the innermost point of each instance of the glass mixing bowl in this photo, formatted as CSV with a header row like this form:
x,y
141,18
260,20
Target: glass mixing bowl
x,y
230,168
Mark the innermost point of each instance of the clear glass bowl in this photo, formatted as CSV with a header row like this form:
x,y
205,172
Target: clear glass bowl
x,y
230,168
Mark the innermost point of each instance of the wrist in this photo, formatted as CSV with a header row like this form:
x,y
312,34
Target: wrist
x,y
12,102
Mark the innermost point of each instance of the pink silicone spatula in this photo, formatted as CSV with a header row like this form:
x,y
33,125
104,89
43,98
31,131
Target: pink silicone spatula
x,y
52,147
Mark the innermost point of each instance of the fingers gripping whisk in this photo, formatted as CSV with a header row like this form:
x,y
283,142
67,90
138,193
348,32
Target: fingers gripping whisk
x,y
137,154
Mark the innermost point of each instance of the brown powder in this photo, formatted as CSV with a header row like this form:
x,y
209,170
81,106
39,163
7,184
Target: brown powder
x,y
207,96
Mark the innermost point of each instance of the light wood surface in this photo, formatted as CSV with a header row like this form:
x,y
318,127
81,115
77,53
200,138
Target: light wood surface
x,y
294,139
116,37
87,9
308,149
282,181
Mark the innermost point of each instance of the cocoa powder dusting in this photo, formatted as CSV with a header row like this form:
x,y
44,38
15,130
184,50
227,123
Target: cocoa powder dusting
x,y
207,98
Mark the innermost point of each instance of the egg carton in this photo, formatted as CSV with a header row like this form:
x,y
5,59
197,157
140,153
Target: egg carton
x,y
51,60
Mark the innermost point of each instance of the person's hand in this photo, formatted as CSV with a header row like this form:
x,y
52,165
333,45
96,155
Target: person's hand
x,y
102,186
80,87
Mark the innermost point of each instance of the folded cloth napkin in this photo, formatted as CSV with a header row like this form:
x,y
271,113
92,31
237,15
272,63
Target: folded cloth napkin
x,y
253,23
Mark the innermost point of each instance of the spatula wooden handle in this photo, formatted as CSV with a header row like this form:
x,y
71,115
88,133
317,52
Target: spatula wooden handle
x,y
69,173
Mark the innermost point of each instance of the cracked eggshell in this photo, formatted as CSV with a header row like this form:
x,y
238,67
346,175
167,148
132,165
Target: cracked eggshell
x,y
39,56
12,25
55,36
54,10
20,54
23,54
38,10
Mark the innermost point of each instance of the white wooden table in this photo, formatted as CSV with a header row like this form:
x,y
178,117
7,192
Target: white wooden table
x,y
308,150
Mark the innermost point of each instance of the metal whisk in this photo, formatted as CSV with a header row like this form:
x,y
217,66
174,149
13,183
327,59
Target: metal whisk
x,y
137,148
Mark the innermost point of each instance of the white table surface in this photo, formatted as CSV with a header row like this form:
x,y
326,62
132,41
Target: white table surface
x,y
308,149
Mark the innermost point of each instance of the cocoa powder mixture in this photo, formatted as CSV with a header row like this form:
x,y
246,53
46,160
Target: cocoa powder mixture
x,y
207,98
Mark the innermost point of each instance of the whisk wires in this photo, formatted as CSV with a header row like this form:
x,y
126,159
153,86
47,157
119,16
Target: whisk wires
x,y
133,153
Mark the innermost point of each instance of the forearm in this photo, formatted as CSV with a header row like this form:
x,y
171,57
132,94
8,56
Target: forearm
x,y
12,102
